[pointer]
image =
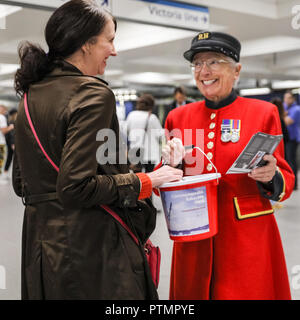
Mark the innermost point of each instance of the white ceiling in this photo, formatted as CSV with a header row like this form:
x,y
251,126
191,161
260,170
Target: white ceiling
x,y
153,55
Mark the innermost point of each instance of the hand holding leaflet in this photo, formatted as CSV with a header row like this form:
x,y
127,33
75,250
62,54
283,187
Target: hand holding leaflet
x,y
266,172
252,156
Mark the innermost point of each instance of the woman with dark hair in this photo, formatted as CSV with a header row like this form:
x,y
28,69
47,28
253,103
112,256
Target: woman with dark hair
x,y
144,133
72,248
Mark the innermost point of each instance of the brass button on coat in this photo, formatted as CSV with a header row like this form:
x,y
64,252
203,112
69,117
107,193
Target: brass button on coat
x,y
210,145
211,135
209,155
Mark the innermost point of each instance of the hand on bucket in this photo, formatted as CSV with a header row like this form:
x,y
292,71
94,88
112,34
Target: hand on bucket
x,y
164,174
173,152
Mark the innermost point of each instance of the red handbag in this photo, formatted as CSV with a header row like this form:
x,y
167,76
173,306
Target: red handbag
x,y
152,253
154,257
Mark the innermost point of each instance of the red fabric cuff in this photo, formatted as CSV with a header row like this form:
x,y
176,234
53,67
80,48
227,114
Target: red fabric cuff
x,y
146,185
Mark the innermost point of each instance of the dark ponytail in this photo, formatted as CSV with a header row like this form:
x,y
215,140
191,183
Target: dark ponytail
x,y
35,64
68,29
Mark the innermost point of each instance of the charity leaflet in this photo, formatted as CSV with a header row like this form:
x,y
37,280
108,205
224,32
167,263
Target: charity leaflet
x,y
251,157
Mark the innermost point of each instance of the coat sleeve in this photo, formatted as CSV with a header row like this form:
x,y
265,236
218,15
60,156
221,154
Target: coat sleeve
x,y
282,184
78,184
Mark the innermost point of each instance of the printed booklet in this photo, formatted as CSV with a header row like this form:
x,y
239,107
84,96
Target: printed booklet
x,y
251,157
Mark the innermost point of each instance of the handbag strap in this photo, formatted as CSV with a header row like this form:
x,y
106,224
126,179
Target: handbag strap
x,y
35,134
124,225
106,208
146,127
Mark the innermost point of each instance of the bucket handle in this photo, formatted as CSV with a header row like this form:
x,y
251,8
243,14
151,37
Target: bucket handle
x,y
207,159
194,147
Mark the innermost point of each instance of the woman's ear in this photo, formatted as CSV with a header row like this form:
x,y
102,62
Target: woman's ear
x,y
86,48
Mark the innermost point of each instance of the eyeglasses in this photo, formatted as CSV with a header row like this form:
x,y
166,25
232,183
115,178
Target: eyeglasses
x,y
212,64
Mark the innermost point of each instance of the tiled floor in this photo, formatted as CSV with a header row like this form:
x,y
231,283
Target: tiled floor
x,y
11,214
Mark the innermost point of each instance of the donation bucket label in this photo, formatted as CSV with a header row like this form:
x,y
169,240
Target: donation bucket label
x,y
186,211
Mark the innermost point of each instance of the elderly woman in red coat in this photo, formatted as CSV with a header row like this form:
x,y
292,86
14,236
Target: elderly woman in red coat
x,y
245,260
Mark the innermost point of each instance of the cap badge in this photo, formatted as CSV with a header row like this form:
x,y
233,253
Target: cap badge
x,y
204,35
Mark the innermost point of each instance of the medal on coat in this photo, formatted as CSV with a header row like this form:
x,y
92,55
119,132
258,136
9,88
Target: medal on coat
x,y
230,130
236,129
226,130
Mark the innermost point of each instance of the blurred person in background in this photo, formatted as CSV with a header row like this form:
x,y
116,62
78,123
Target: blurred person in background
x,y
10,142
278,103
4,129
292,121
72,248
179,100
144,132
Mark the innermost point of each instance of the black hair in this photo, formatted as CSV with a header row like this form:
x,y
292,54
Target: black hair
x,y
278,103
68,29
145,102
12,111
179,90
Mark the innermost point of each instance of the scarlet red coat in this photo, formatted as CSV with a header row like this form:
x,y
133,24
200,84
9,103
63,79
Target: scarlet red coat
x,y
245,260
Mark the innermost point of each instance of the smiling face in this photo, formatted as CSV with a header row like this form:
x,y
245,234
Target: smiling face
x,y
216,85
98,50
